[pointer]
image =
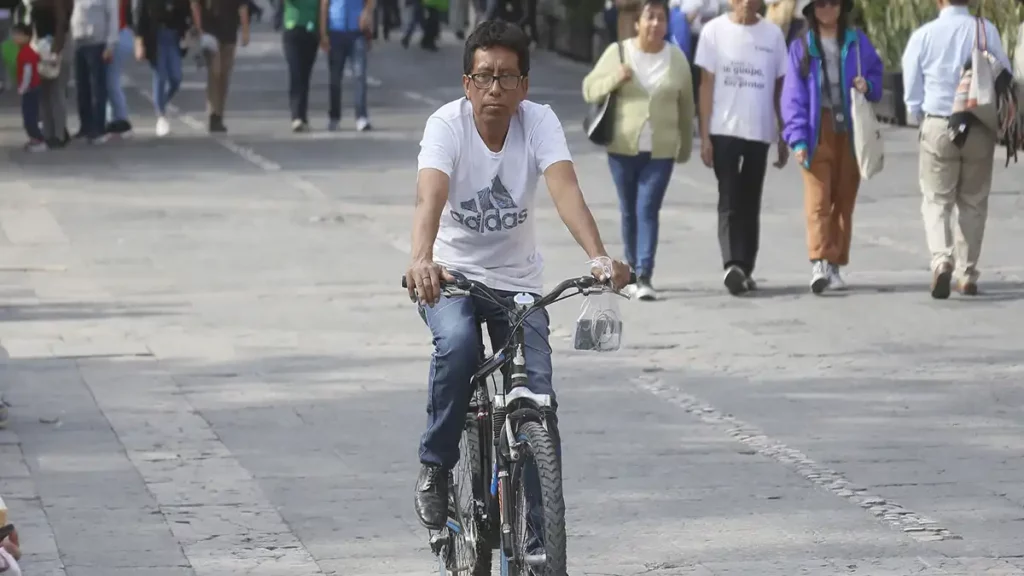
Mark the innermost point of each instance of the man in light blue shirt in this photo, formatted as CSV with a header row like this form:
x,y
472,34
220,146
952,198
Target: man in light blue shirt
x,y
950,174
344,27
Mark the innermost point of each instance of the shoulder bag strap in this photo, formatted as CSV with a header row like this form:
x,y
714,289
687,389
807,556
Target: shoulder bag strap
x,y
980,36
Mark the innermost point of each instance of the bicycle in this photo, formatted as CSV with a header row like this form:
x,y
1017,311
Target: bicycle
x,y
508,449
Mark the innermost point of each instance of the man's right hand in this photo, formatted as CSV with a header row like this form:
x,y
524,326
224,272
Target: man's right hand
x,y
423,278
140,49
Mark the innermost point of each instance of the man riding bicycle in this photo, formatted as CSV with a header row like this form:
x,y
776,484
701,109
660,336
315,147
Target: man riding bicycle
x,y
479,162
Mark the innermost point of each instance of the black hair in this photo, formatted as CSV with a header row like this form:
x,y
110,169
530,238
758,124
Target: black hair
x,y
491,33
663,4
22,28
813,26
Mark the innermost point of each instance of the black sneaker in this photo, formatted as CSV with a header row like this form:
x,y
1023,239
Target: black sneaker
x,y
735,280
217,124
432,496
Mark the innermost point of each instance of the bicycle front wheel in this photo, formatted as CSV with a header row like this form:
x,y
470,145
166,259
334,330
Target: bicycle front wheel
x,y
538,515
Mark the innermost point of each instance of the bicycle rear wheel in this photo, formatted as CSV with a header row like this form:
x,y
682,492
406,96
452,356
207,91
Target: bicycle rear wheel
x,y
471,550
538,514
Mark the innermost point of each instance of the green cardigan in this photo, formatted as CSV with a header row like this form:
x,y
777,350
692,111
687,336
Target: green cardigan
x,y
669,108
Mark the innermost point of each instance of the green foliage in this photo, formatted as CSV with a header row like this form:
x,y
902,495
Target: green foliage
x,y
889,23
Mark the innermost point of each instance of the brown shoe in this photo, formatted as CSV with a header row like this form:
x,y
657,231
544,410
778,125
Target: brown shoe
x,y
941,281
968,287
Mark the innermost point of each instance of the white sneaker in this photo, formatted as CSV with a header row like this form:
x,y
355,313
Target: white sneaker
x,y
363,124
644,291
835,280
819,276
163,127
100,140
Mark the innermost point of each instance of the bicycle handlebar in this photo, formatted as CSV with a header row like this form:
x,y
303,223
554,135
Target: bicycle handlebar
x,y
465,284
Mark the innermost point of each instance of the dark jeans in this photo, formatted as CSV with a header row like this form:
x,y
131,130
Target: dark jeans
x,y
300,47
454,324
345,45
91,86
166,68
740,167
30,114
641,182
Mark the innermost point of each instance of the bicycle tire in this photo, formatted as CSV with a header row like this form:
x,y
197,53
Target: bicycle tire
x,y
542,453
472,437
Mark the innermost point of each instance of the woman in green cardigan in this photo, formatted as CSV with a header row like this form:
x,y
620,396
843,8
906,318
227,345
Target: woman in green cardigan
x,y
653,129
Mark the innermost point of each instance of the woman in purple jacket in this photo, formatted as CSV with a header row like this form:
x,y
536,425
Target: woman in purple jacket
x,y
824,63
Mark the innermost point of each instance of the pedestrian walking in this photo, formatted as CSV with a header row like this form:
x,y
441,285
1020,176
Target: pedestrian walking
x,y
952,173
654,112
95,28
301,39
743,60
118,123
222,20
28,82
345,27
50,21
824,63
160,26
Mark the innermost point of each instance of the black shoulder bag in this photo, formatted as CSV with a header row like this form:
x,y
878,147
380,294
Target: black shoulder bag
x,y
599,124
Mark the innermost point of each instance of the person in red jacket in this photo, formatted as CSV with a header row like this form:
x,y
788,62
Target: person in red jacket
x,y
28,87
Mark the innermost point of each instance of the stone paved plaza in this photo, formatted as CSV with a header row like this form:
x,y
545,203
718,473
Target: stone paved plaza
x,y
212,369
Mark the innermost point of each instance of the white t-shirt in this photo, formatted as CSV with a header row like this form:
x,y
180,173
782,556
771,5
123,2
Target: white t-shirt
x,y
649,69
487,226
746,62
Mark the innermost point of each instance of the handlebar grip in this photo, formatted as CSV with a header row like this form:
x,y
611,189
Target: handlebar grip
x,y
404,283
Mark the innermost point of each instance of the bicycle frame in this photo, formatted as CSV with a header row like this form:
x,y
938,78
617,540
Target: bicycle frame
x,y
515,403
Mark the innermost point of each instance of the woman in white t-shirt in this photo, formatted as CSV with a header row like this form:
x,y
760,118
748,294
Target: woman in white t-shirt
x,y
653,129
743,60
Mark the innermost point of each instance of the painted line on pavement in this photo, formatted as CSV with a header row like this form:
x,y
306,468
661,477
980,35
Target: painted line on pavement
x,y
310,190
916,526
418,97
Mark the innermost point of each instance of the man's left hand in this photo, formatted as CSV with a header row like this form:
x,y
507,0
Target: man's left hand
x,y
365,21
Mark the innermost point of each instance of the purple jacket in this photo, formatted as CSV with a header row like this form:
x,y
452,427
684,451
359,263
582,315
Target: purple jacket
x,y
801,97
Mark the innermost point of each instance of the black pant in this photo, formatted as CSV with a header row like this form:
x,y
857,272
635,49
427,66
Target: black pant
x,y
300,48
740,166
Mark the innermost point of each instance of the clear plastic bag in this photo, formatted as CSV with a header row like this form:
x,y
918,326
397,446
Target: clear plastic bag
x,y
599,326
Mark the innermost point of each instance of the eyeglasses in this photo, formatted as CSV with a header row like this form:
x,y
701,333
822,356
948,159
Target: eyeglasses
x,y
485,81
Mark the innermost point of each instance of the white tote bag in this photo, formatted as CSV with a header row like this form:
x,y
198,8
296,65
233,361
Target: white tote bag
x,y
867,134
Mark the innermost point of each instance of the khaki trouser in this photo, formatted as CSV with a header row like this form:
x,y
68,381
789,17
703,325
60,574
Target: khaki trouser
x,y
830,192
960,177
218,77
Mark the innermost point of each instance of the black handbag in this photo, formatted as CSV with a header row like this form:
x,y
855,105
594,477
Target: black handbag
x,y
599,123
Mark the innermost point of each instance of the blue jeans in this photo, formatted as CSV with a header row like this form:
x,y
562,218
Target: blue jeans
x,y
343,46
641,182
117,105
30,114
91,86
454,324
166,69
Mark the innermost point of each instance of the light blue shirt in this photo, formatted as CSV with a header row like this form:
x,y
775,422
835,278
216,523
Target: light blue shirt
x,y
935,56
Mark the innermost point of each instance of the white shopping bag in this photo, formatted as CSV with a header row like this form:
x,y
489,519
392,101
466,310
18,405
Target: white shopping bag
x,y
867,134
